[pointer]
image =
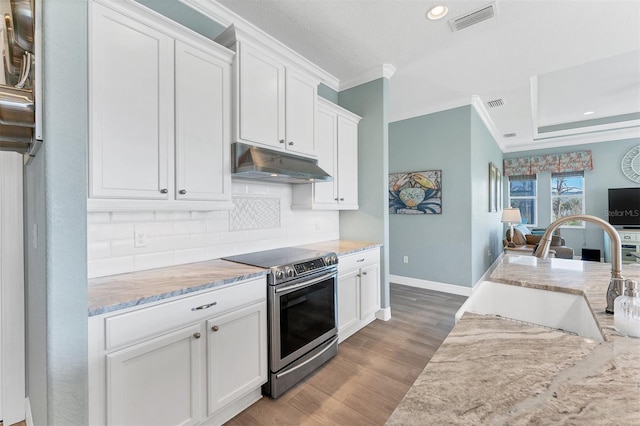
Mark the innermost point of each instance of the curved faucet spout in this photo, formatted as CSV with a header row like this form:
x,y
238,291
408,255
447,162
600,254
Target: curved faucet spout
x,y
616,283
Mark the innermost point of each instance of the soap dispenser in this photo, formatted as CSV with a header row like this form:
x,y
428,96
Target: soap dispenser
x,y
626,310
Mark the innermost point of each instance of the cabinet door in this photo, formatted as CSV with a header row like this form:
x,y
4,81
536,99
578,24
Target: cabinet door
x,y
300,113
202,125
347,163
237,354
369,290
131,107
348,302
261,98
326,193
157,382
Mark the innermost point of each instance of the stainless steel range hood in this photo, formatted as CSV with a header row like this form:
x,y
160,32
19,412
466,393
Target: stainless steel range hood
x,y
267,165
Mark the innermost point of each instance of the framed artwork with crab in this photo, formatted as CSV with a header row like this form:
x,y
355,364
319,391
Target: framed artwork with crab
x,y
415,192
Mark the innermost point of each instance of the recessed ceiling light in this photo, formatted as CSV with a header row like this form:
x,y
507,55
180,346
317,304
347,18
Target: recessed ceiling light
x,y
437,12
588,112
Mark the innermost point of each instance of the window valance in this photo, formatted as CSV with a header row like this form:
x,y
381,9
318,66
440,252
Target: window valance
x,y
575,161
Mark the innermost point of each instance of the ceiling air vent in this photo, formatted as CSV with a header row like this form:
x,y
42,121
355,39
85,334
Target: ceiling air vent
x,y
471,18
509,135
495,103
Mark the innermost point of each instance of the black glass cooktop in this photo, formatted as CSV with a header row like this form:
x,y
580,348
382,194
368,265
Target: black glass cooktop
x,y
276,257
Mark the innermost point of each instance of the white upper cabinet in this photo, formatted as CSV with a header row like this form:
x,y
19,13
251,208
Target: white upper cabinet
x,y
159,113
301,94
202,125
347,175
261,98
326,193
131,66
336,132
275,102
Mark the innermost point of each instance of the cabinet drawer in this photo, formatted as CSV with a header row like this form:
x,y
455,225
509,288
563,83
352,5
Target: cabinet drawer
x,y
358,260
133,326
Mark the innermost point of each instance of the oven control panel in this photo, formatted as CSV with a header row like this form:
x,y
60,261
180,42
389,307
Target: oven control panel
x,y
297,269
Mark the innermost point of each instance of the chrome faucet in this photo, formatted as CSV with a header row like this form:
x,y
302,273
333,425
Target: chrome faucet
x,y
617,280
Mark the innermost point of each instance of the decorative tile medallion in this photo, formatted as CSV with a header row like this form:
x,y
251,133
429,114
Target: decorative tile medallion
x,y
254,213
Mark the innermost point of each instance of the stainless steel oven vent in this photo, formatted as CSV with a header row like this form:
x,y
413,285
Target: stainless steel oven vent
x,y
472,18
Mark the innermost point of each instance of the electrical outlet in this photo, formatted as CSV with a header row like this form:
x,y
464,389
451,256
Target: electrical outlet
x,y
405,259
34,236
139,238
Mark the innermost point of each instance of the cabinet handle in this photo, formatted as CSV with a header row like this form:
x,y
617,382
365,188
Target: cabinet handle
x,y
164,190
207,306
183,191
341,199
360,260
281,140
196,335
290,143
335,199
364,273
215,328
358,275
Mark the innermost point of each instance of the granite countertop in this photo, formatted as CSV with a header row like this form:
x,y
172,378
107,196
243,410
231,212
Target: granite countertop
x,y
496,371
115,292
342,247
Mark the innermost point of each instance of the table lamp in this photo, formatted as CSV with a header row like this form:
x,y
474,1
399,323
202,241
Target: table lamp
x,y
511,215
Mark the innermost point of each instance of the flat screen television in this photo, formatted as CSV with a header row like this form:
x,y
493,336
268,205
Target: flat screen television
x,y
624,207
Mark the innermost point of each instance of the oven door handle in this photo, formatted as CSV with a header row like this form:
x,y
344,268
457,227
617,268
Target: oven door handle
x,y
297,367
293,287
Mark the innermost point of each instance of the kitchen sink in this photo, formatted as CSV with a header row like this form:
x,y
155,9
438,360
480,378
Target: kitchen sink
x,y
564,311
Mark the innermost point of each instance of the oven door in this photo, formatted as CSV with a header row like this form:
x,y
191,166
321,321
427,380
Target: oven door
x,y
302,316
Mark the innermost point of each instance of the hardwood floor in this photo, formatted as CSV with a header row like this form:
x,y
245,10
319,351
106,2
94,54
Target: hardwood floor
x,y
373,370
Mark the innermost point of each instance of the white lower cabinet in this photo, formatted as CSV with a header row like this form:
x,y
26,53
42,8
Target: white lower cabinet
x,y
358,291
237,355
156,382
195,360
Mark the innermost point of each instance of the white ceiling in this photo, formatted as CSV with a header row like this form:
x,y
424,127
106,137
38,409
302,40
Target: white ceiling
x,y
581,55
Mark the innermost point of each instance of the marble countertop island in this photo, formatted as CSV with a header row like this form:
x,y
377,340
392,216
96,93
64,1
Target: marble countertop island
x,y
496,371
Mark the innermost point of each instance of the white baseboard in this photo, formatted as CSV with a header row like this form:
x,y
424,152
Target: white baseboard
x,y
431,285
485,276
27,412
384,314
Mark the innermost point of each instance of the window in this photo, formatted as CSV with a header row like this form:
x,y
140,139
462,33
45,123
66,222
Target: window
x,y
567,196
523,194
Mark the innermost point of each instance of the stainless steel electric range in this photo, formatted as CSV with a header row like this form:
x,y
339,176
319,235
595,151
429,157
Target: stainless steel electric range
x,y
302,312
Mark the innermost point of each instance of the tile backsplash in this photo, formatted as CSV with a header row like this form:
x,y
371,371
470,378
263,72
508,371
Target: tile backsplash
x,y
262,219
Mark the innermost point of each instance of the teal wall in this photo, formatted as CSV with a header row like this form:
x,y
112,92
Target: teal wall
x,y
486,228
371,221
55,201
606,174
183,14
328,93
451,247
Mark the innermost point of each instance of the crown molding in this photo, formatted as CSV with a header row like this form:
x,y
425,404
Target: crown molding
x,y
478,105
383,71
581,139
226,18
